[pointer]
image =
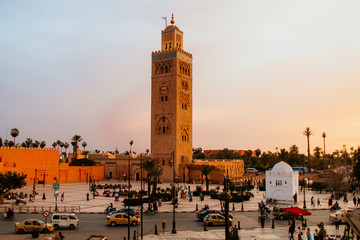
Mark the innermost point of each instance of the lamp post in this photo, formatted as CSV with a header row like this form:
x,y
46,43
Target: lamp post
x,y
225,197
129,189
174,197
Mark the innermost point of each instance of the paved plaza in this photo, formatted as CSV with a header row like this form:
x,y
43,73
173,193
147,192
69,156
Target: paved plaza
x,y
75,196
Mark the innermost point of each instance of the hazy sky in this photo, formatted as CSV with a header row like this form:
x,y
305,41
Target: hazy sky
x,y
263,71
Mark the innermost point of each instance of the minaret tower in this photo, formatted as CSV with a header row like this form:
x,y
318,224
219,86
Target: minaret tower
x,y
171,104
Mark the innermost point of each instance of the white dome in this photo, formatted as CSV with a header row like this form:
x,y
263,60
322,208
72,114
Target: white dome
x,y
282,167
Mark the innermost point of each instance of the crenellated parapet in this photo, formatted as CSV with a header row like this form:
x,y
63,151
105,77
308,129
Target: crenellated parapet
x,y
44,149
171,50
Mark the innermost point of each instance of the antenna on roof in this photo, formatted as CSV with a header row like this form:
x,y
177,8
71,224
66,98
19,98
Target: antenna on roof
x,y
165,18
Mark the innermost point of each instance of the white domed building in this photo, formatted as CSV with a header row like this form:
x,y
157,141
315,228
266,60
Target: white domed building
x,y
282,183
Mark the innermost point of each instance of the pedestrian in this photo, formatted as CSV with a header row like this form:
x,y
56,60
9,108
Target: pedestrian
x,y
62,197
308,234
61,236
318,202
354,200
44,197
87,197
299,233
291,232
262,220
316,235
336,221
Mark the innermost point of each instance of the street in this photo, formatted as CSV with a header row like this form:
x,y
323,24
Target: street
x,y
95,224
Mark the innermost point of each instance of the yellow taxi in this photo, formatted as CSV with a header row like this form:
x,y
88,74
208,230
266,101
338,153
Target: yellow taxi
x,y
216,219
30,225
122,219
341,215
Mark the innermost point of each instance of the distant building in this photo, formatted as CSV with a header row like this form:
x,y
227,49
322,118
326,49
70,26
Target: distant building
x,y
282,183
211,152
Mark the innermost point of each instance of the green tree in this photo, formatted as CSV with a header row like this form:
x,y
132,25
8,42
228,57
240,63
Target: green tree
x,y
356,167
84,144
156,172
66,145
42,144
35,144
76,139
61,146
319,185
258,152
206,170
307,132
322,231
85,153
9,181
28,142
11,144
14,133
198,153
54,145
58,142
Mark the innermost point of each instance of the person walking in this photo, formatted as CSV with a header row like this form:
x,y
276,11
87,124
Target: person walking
x,y
308,234
299,233
62,196
87,197
318,202
336,221
316,235
291,231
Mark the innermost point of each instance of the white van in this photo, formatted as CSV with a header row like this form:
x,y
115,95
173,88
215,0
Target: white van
x,y
64,220
251,170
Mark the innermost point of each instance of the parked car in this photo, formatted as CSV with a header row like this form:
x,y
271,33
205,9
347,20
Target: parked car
x,y
279,213
124,210
341,215
251,170
30,225
215,219
64,220
201,215
122,219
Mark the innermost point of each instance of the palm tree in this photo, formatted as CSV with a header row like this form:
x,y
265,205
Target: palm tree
x,y
58,142
156,172
14,133
307,132
148,164
76,139
36,144
323,135
61,146
28,142
84,144
42,144
85,153
66,145
54,145
206,170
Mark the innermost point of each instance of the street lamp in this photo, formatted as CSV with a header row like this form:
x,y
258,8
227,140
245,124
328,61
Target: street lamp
x,y
129,188
174,197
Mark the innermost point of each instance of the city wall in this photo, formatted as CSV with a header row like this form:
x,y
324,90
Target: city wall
x,y
42,165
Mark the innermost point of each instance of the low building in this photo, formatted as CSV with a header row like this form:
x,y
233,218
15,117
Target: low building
x,y
43,166
232,168
282,183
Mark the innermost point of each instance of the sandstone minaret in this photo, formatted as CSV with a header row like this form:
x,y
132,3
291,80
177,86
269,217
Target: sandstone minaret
x,y
171,104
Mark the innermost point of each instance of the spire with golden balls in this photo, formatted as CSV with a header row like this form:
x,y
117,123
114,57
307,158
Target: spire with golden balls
x,y
172,19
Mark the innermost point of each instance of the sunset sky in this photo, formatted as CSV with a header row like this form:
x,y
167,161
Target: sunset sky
x,y
263,71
